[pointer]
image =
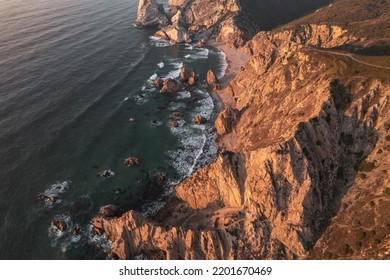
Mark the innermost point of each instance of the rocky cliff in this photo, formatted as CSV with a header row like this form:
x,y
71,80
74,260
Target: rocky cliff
x,y
233,22
304,157
150,13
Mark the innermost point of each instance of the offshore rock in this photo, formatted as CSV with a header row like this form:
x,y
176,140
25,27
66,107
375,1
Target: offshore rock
x,y
199,119
170,86
150,13
212,80
186,73
109,210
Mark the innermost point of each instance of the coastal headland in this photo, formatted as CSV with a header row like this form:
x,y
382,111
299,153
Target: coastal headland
x,y
304,136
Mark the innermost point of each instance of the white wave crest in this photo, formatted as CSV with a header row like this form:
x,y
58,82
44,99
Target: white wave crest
x,y
177,69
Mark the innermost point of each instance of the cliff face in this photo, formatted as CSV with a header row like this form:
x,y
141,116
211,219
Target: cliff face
x,y
303,166
150,13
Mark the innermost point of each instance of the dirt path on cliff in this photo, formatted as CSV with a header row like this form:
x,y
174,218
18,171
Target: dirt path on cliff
x,y
349,55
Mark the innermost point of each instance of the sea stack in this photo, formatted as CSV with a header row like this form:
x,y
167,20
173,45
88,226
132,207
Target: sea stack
x,y
150,14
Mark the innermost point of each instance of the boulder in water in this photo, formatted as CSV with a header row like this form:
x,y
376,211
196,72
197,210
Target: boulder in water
x,y
212,79
191,81
162,35
187,73
53,199
109,211
201,43
174,123
60,225
75,230
132,161
42,196
199,119
160,177
158,83
107,173
170,86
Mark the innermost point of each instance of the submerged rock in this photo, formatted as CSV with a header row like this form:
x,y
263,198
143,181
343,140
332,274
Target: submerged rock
x,y
201,43
75,230
42,196
160,177
150,13
107,174
174,123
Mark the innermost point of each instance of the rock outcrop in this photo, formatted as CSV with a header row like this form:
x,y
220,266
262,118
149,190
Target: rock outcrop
x,y
150,13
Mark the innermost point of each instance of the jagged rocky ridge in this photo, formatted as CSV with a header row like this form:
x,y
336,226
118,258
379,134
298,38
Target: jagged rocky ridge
x,y
303,164
233,22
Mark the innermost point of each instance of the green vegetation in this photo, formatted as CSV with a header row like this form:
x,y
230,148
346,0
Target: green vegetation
x,y
362,235
345,205
377,241
372,203
379,151
366,166
346,250
373,232
387,191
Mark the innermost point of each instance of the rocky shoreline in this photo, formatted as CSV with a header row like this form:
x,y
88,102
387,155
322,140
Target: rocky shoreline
x,y
303,150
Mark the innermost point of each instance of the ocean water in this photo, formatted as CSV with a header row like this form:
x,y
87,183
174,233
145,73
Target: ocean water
x,y
76,99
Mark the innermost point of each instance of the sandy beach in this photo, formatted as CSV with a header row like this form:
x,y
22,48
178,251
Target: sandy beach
x,y
235,59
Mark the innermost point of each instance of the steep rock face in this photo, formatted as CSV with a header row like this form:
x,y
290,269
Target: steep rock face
x,y
302,140
134,235
150,13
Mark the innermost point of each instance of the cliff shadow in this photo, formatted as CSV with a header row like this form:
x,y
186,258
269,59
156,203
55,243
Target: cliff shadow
x,y
335,162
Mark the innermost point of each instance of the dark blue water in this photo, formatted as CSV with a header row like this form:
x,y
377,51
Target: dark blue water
x,y
75,99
